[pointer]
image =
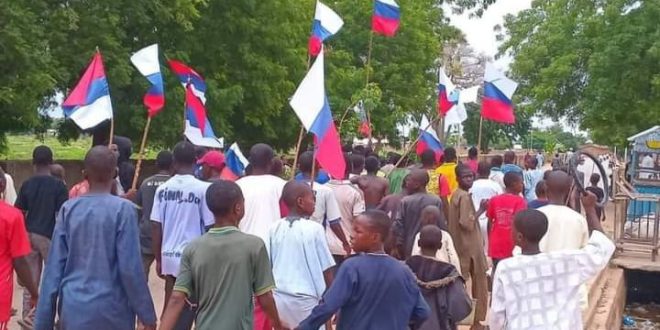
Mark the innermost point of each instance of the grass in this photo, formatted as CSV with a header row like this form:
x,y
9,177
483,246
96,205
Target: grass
x,y
20,147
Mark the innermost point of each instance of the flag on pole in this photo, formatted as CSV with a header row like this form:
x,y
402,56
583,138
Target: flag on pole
x,y
188,76
445,88
496,104
310,103
146,61
458,114
235,161
89,104
428,139
386,17
198,127
326,24
365,126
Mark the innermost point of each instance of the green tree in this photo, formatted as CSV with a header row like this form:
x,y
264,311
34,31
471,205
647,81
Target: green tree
x,y
596,63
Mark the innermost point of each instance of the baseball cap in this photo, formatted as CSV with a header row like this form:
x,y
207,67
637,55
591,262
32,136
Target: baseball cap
x,y
214,159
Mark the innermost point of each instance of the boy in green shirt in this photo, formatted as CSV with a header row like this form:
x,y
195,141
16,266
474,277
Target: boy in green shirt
x,y
224,268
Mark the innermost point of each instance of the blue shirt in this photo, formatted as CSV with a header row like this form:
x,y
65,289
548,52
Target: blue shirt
x,y
506,168
371,292
531,179
94,268
322,177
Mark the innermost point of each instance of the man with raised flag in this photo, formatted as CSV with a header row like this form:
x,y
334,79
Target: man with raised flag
x,y
326,24
188,76
146,61
386,18
198,127
89,104
310,104
497,102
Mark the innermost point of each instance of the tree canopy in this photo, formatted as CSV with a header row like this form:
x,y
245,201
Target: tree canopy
x,y
251,53
596,63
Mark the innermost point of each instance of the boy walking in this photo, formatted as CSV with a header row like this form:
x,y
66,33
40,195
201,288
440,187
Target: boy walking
x,y
14,249
371,291
541,290
441,284
464,229
179,215
501,210
145,199
302,263
223,269
93,277
40,197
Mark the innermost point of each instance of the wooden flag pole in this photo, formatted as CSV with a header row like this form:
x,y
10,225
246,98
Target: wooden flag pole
x,y
112,130
366,86
138,166
302,131
481,125
313,176
409,149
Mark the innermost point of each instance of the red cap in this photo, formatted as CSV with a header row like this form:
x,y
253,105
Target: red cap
x,y
213,159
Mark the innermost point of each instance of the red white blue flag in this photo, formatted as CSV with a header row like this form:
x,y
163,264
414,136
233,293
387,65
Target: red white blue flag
x,y
326,24
188,76
496,103
198,127
365,125
89,104
386,17
146,61
311,105
445,88
428,139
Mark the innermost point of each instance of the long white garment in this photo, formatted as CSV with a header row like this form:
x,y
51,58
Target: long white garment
x,y
262,195
484,189
446,253
299,255
542,291
10,191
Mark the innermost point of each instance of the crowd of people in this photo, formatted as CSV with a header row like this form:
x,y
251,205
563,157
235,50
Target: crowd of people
x,y
391,245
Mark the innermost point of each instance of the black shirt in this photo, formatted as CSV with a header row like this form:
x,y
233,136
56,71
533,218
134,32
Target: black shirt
x,y
600,194
40,198
145,198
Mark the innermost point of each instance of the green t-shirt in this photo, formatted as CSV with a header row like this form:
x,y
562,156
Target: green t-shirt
x,y
223,269
396,179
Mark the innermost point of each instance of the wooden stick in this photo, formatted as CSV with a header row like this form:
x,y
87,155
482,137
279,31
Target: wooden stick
x,y
138,166
366,86
112,130
295,158
481,125
343,117
409,149
313,176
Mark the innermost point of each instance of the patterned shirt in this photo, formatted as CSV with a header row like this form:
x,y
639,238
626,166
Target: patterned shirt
x,y
542,291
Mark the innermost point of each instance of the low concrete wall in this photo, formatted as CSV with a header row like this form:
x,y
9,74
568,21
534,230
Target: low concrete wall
x,y
21,170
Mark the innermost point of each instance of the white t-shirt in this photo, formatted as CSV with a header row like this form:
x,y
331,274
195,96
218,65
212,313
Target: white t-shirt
x,y
262,195
447,253
180,207
10,191
497,176
351,204
484,189
299,255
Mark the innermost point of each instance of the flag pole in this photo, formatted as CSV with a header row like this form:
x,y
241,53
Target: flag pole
x,y
366,86
138,166
313,175
409,149
302,130
112,130
343,117
481,124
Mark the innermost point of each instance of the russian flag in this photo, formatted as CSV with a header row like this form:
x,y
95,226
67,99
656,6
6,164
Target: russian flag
x,y
310,104
188,76
326,24
198,127
445,88
386,18
236,162
146,61
496,104
365,126
428,139
89,104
